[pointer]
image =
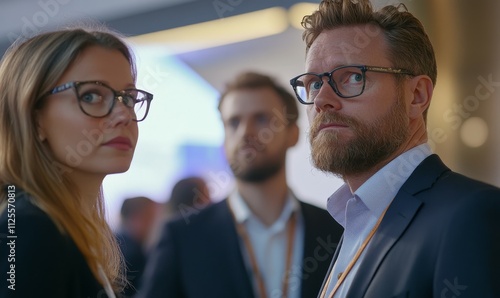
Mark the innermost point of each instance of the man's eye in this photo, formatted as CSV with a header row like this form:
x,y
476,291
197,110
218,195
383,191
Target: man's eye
x,y
315,86
355,78
262,119
233,123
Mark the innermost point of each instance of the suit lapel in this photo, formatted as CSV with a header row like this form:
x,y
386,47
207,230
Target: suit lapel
x,y
400,213
237,270
336,254
330,268
317,236
395,222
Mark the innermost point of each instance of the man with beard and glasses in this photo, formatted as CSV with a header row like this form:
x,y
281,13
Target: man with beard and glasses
x,y
413,227
261,241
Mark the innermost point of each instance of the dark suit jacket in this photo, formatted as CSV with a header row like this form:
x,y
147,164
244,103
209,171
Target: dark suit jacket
x,y
439,238
200,256
47,263
135,261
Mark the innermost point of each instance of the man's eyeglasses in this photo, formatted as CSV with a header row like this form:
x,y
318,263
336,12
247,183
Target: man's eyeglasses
x,y
97,99
346,81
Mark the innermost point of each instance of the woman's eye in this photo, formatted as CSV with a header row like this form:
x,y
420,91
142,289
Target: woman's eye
x,y
91,98
129,100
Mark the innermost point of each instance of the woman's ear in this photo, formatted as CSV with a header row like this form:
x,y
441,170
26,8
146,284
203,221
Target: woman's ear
x,y
421,88
41,137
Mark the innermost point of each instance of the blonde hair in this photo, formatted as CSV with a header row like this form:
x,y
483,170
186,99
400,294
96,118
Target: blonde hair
x,y
27,70
409,46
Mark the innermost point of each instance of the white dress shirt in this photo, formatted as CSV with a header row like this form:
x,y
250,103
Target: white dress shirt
x,y
358,212
270,246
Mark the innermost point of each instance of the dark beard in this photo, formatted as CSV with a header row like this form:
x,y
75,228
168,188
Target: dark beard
x,y
251,171
259,174
372,144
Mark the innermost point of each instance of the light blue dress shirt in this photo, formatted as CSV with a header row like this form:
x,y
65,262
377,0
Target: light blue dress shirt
x,y
270,246
358,212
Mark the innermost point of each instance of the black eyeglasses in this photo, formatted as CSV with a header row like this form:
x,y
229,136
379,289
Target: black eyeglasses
x,y
97,99
346,81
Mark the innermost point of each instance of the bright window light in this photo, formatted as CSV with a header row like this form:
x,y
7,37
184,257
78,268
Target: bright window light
x,y
182,134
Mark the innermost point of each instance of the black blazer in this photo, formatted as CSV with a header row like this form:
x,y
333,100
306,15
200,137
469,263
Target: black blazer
x,y
47,263
200,256
439,238
135,261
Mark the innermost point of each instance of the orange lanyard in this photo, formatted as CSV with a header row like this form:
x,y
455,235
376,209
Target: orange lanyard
x,y
360,250
242,232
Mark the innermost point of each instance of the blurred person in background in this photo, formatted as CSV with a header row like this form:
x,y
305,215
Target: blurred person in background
x,y
189,195
261,241
138,216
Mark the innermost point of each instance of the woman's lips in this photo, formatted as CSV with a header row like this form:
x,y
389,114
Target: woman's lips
x,y
120,143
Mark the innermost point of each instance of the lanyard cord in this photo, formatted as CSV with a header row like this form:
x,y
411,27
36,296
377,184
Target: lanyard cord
x,y
242,232
351,264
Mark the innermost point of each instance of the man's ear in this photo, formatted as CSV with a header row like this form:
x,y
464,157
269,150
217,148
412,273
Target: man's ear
x,y
293,134
421,91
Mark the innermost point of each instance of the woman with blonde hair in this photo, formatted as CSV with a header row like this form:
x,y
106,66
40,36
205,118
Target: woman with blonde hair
x,y
68,117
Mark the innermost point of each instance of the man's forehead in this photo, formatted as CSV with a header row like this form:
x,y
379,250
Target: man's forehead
x,y
348,45
251,102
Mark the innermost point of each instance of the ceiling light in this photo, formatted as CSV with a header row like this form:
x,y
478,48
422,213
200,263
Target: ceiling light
x,y
297,12
218,32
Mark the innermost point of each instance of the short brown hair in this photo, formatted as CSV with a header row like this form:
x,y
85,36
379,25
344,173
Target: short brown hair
x,y
254,80
133,206
409,45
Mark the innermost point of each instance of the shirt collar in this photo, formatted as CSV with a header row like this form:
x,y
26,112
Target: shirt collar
x,y
379,190
243,213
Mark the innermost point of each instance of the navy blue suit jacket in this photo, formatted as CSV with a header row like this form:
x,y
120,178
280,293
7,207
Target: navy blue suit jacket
x,y
439,238
200,256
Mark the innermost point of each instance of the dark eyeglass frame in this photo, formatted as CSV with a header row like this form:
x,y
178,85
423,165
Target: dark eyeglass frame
x,y
363,68
118,96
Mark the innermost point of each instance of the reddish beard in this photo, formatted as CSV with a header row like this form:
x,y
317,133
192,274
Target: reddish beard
x,y
332,151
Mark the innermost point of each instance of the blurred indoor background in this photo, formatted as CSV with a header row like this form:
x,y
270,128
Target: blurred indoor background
x,y
187,49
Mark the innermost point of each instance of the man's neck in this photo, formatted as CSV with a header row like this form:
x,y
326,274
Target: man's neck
x,y
355,181
265,199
